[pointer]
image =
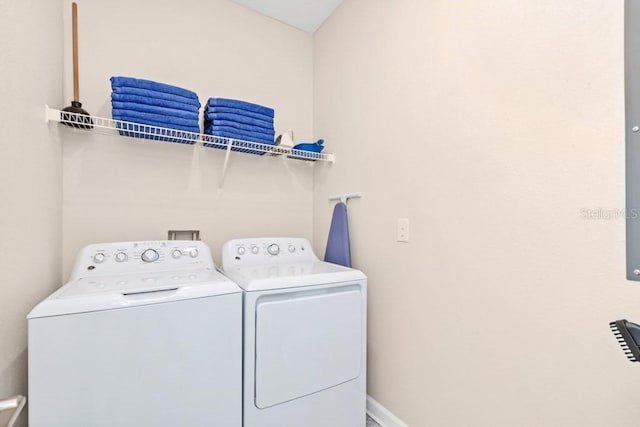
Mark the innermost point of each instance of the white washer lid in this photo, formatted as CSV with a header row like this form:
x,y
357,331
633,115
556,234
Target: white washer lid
x,y
290,275
119,291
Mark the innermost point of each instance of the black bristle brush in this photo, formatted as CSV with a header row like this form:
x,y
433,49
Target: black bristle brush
x,y
628,336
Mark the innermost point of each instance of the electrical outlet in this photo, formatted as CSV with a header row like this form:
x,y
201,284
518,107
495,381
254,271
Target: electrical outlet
x,y
403,230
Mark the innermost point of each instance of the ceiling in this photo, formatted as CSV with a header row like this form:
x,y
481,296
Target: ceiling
x,y
307,15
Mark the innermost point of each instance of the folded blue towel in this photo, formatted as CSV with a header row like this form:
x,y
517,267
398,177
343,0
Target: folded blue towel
x,y
236,118
167,121
338,249
208,109
118,81
146,108
234,135
246,133
242,105
240,126
154,94
158,102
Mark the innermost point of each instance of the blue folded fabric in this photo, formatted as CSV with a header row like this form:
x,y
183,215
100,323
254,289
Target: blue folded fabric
x,y
242,105
146,108
167,121
240,126
228,110
245,133
158,102
119,81
236,118
153,95
338,249
234,135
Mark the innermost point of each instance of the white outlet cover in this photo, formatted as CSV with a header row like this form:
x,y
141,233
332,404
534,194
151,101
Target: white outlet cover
x,y
403,230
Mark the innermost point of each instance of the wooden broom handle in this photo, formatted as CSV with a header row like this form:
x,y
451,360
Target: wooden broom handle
x,y
74,26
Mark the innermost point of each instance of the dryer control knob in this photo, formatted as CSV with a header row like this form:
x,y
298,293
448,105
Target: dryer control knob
x,y
273,249
150,255
121,257
193,253
176,253
255,250
241,250
99,258
292,248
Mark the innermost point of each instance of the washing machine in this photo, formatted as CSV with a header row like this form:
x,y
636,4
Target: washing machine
x,y
304,335
144,334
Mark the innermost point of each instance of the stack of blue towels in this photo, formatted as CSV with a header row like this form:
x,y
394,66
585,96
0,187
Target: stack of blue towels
x,y
155,104
232,118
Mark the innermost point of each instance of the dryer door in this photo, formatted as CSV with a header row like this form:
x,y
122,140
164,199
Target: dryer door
x,y
307,342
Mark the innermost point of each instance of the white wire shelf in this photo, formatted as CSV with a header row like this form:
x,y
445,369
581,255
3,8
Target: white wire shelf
x,y
161,134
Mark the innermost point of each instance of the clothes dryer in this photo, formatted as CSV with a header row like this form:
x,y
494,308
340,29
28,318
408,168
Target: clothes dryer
x,y
304,335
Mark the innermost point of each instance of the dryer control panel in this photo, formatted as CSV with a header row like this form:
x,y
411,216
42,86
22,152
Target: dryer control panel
x,y
104,259
265,250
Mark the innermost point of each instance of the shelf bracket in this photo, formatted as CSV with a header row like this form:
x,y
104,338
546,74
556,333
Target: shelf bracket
x,y
51,115
226,163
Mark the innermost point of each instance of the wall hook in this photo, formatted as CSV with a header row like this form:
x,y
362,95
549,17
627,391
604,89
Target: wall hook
x,y
346,196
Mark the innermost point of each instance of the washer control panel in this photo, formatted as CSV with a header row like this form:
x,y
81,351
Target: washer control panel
x,y
267,250
104,259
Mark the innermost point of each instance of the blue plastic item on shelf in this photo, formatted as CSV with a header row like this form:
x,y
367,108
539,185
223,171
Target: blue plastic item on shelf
x,y
315,147
312,147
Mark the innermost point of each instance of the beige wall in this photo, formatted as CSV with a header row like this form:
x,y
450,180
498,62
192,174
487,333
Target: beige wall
x,y
30,217
490,125
124,189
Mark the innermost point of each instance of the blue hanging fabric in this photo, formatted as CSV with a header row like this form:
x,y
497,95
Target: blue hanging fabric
x,y
338,250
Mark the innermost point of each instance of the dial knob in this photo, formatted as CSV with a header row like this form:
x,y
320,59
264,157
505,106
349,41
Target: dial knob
x,y
273,249
255,250
121,257
241,250
176,253
150,255
291,248
99,258
193,252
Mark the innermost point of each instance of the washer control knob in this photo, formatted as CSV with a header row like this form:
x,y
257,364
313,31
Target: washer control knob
x,y
291,248
193,252
273,249
255,250
121,257
99,258
241,250
150,255
176,253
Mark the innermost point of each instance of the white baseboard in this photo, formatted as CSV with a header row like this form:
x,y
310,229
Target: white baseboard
x,y
382,415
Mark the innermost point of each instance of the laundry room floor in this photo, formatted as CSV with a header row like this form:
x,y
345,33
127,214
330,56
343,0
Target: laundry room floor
x,y
371,423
